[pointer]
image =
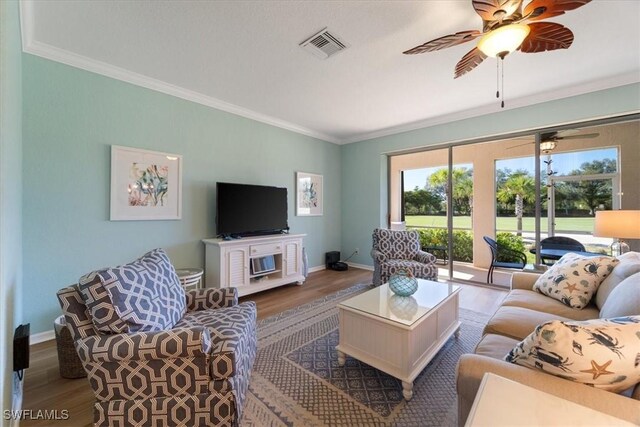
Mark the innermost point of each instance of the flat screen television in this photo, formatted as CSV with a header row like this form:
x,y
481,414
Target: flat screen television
x,y
250,210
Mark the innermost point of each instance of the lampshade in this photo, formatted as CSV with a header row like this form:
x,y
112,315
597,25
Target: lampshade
x,y
621,224
503,40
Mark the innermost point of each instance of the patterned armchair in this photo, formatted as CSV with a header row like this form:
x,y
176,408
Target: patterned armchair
x,y
395,250
156,356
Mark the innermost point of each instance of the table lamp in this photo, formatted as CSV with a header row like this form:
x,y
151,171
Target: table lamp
x,y
619,224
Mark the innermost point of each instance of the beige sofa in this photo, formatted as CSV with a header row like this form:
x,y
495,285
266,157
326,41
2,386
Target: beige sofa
x,y
522,310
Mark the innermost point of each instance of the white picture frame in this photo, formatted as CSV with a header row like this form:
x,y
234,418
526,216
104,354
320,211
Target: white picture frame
x,y
309,194
145,185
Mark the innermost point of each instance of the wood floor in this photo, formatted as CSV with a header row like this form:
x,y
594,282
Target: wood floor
x,y
45,390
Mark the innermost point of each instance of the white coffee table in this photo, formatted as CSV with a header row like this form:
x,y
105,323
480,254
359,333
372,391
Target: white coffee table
x,y
398,335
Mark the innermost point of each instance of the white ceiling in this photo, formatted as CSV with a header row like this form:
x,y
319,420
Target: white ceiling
x,y
243,57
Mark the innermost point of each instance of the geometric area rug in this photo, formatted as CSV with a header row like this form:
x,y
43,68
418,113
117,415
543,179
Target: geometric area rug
x,y
296,379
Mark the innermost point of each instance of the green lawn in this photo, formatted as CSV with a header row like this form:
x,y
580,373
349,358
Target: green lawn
x,y
503,223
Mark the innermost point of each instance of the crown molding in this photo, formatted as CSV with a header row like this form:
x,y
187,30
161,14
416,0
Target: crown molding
x,y
43,50
566,92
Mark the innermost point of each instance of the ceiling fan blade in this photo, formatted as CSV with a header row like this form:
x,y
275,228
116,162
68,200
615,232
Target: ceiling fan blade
x,y
538,10
444,42
495,10
468,62
583,136
520,145
546,36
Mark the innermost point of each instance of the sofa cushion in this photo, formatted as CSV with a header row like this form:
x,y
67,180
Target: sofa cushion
x,y
517,322
142,296
495,346
536,301
629,265
602,353
574,279
624,299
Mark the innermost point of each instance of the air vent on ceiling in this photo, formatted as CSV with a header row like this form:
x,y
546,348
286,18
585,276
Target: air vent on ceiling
x,y
323,44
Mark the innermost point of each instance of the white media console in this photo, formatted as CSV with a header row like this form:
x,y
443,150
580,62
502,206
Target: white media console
x,y
228,262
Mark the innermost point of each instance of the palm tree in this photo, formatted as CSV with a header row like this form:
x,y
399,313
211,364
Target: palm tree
x,y
462,187
521,187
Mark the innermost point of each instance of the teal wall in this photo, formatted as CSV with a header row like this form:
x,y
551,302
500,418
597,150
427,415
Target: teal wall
x,y
364,164
71,119
11,193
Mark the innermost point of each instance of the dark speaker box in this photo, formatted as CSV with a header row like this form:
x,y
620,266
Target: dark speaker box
x,y
21,348
331,258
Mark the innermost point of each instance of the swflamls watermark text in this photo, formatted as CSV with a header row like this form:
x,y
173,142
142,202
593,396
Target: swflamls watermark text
x,y
37,414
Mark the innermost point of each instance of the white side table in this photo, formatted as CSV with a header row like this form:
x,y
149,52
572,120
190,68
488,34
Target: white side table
x,y
190,278
501,402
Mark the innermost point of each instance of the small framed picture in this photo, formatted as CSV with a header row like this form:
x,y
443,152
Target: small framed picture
x,y
308,194
145,185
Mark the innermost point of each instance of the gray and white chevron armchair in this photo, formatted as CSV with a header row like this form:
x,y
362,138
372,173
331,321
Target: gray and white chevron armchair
x,y
395,250
155,355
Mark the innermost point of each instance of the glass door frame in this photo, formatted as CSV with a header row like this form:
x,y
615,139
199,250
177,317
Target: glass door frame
x,y
536,132
551,205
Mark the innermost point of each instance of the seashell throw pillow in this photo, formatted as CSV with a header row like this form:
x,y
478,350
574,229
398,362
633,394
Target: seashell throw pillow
x,y
574,279
603,353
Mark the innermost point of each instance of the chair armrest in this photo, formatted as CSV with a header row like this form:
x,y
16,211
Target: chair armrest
x,y
425,257
171,344
521,280
377,255
204,299
472,367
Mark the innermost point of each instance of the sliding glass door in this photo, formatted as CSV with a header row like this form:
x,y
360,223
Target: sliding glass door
x,y
517,194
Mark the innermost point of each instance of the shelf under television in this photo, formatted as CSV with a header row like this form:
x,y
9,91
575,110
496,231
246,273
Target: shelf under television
x,y
262,285
253,276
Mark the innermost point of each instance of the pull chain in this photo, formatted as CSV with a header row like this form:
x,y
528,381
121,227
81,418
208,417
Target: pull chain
x,y
497,79
502,104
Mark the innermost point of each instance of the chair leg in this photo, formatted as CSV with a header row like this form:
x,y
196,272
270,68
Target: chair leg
x,y
490,275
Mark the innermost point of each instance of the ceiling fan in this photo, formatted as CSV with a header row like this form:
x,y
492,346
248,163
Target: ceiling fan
x,y
549,140
506,27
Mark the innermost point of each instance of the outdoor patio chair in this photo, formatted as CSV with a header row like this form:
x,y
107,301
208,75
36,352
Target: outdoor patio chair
x,y
559,242
503,257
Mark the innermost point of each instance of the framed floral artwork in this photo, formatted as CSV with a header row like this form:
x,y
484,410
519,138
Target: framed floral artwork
x,y
145,185
308,194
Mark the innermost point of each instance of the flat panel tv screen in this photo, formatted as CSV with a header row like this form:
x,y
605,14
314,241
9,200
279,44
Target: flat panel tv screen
x,y
250,210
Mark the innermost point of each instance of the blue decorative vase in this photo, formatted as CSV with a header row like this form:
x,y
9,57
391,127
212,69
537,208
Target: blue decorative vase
x,y
403,283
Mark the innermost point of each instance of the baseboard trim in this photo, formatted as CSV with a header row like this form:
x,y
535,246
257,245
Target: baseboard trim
x,y
360,266
42,337
317,268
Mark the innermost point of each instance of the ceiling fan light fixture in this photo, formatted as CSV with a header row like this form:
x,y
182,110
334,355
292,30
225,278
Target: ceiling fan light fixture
x,y
547,146
503,40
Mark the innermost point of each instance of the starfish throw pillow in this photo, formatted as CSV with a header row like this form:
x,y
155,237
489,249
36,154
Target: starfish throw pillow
x,y
603,353
574,279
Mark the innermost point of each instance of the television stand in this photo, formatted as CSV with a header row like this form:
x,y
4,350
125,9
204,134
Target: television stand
x,y
228,262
